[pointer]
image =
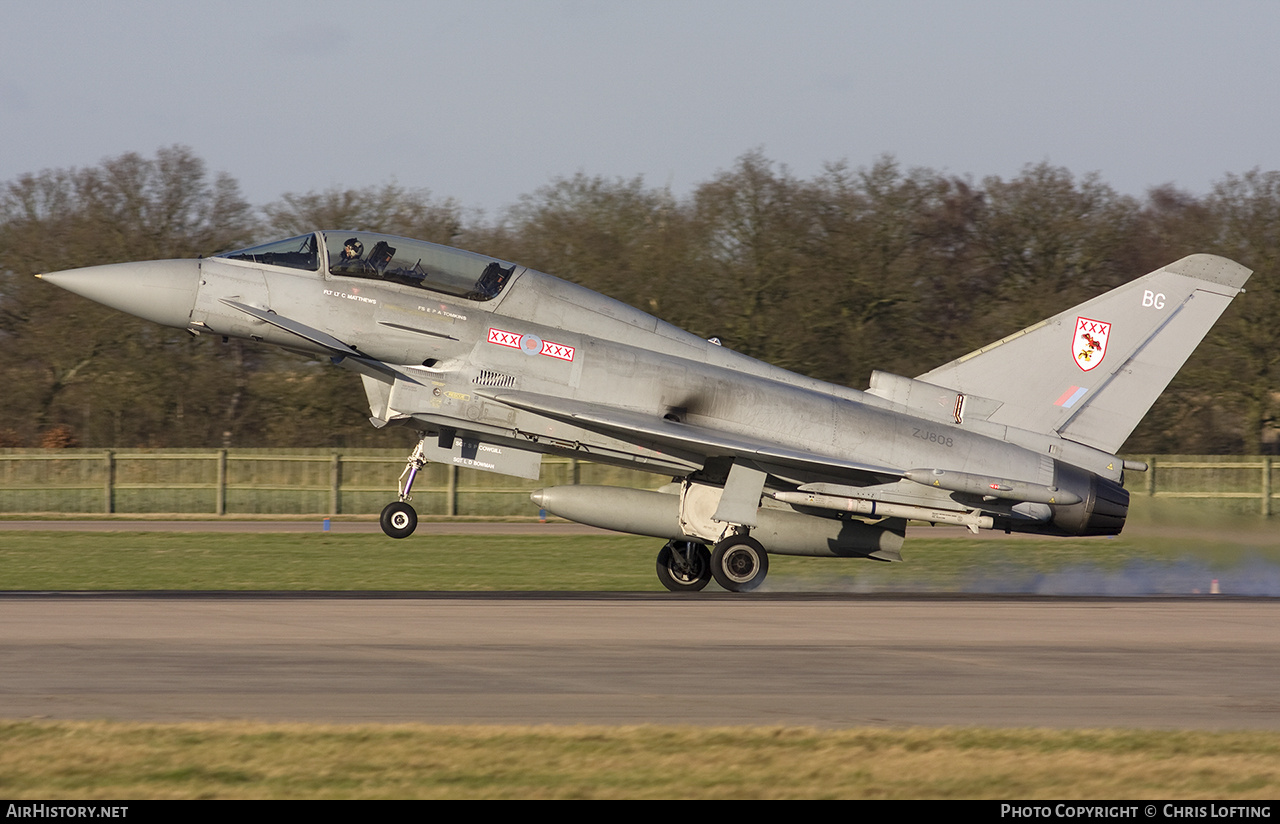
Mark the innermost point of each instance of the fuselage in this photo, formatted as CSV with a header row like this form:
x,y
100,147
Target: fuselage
x,y
495,364
440,335
551,337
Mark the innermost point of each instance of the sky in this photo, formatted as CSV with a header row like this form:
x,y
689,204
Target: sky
x,y
485,101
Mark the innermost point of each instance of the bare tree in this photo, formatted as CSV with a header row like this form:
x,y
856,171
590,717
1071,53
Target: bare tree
x,y
389,209
62,352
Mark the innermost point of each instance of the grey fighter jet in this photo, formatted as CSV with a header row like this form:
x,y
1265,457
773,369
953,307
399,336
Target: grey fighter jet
x,y
495,365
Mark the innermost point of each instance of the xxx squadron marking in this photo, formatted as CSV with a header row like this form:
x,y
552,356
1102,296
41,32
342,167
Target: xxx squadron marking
x,y
531,344
1089,346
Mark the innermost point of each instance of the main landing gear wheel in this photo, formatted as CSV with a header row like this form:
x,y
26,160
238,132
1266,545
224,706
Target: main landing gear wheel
x,y
684,566
399,520
739,563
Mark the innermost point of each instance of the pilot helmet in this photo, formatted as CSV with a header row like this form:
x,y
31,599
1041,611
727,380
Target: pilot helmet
x,y
353,249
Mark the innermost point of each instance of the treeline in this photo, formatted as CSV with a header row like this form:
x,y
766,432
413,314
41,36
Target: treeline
x,y
852,270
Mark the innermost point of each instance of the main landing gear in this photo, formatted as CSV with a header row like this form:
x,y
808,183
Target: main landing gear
x,y
399,519
739,564
684,566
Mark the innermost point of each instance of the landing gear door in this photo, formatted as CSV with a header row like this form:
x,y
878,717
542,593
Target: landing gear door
x,y
470,453
698,504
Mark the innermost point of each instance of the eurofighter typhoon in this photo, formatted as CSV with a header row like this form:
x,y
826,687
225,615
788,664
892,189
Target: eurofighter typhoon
x,y
495,365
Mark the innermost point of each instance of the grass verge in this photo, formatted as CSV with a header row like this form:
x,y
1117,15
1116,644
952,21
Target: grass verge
x,y
242,760
211,561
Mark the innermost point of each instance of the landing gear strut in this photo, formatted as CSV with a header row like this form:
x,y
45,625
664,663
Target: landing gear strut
x,y
399,519
684,566
739,563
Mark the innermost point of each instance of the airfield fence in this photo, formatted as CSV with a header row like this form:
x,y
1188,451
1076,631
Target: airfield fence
x,y
362,481
272,482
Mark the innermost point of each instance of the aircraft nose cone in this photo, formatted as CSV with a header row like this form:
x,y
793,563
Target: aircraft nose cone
x,y
537,497
163,291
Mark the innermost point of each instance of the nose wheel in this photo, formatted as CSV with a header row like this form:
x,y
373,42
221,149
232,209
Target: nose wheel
x,y
399,520
739,563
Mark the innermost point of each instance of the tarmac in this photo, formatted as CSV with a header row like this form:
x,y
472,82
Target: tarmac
x,y
712,659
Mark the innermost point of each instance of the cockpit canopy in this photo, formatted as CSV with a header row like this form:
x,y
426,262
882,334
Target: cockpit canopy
x,y
387,258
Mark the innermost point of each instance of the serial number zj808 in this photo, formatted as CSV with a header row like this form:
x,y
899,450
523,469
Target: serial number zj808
x,y
933,437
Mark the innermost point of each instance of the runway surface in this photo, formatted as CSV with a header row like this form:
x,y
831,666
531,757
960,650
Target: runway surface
x,y
1206,663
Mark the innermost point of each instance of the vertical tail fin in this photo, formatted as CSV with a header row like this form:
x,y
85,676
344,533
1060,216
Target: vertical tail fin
x,y
1091,373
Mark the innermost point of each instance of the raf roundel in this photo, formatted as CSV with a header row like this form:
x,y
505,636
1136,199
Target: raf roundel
x,y
531,345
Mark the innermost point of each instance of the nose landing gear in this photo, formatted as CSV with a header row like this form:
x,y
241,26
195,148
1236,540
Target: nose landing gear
x,y
399,519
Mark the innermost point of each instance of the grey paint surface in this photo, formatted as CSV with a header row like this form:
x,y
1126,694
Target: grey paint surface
x,y
1020,432
832,662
